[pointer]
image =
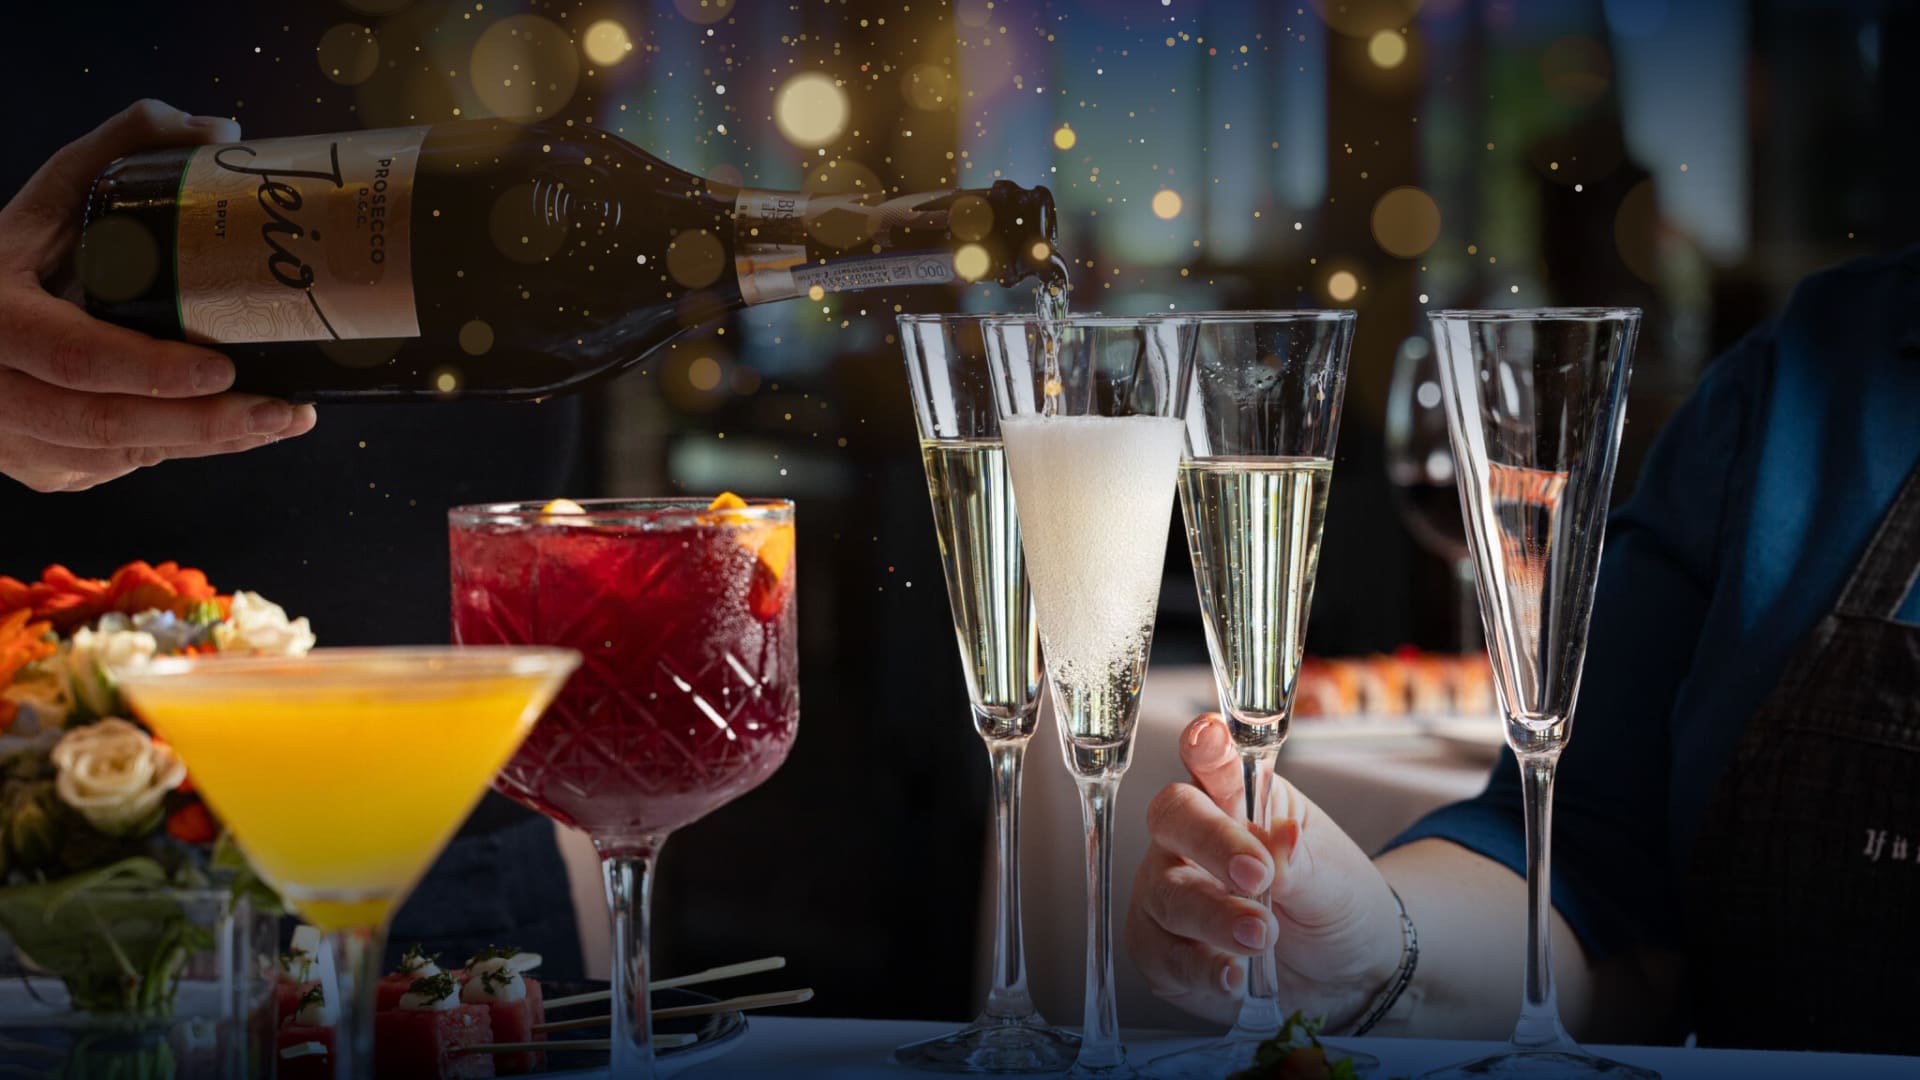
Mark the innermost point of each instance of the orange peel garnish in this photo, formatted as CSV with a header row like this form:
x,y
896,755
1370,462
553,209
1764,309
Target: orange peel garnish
x,y
559,507
772,546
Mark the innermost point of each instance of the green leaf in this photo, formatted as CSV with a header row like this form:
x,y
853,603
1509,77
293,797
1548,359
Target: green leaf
x,y
116,936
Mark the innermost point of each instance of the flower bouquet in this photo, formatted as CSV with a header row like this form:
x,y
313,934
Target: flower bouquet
x,y
115,879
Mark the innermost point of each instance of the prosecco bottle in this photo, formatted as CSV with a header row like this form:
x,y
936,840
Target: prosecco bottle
x,y
494,259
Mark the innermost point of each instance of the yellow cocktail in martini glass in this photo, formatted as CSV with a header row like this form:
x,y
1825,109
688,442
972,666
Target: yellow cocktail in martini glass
x,y
343,773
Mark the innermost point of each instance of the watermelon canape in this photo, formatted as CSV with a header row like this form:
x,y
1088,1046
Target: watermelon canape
x,y
497,979
295,978
304,1043
415,965
421,1035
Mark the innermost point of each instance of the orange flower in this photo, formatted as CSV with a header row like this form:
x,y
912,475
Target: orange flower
x,y
22,641
192,823
69,601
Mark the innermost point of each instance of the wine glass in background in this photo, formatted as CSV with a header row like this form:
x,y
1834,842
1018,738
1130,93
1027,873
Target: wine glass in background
x,y
1535,400
1262,419
1420,467
979,534
1092,415
688,692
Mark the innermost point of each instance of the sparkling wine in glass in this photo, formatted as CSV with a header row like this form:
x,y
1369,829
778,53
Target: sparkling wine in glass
x,y
1262,420
687,696
999,641
1535,400
1420,466
1091,413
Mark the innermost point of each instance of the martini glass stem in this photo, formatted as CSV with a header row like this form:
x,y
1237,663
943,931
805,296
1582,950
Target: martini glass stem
x,y
1260,1009
356,967
1539,1026
1009,999
628,870
1100,1049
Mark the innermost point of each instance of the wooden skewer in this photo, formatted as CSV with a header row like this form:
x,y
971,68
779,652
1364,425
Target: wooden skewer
x,y
714,974
662,1042
741,1004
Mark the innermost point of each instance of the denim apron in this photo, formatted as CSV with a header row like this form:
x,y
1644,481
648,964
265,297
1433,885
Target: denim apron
x,y
1805,883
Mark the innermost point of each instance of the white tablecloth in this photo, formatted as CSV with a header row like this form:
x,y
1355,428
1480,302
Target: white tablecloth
x,y
1374,786
806,1048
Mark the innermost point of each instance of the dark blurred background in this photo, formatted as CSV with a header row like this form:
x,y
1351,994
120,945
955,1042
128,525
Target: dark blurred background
x,y
1692,157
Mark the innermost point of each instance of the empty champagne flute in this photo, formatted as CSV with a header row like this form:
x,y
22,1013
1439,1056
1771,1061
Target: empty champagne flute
x,y
1535,401
1262,420
979,536
1091,413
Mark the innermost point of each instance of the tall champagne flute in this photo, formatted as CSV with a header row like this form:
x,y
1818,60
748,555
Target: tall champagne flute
x,y
1420,465
979,536
1535,402
1091,412
688,694
1262,420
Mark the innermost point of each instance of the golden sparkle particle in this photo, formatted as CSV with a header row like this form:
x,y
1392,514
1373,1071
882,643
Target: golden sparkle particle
x,y
606,43
1166,204
1387,49
972,262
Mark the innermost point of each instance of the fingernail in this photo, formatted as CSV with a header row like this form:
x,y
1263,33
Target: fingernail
x,y
269,417
1228,981
212,374
1250,932
1248,873
1195,730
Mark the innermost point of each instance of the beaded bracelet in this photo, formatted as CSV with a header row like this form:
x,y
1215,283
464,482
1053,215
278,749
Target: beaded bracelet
x,y
1409,959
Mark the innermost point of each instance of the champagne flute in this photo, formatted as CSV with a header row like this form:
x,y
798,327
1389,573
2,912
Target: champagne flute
x,y
1420,465
1535,401
1091,412
1262,420
986,575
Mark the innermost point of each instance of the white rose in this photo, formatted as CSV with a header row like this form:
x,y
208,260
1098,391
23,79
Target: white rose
x,y
114,774
259,626
92,656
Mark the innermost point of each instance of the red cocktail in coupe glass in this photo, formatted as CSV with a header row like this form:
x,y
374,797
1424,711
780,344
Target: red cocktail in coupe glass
x,y
688,693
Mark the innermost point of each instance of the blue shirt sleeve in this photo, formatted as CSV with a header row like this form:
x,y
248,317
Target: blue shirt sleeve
x,y
1612,877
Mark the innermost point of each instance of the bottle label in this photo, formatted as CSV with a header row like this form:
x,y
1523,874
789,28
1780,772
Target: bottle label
x,y
302,239
773,229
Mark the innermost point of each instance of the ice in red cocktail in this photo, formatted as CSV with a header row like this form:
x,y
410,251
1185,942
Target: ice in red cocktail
x,y
688,695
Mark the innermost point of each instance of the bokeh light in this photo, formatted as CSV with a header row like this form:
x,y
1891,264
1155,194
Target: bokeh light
x,y
927,87
972,262
606,43
1064,138
811,110
695,258
1343,285
348,54
1166,204
476,338
970,217
1387,48
703,11
519,229
523,66
704,373
1406,222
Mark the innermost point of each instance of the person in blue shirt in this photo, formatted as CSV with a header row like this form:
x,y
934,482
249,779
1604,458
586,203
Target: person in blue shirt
x,y
1736,832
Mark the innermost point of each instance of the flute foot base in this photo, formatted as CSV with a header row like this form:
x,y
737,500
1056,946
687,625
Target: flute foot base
x,y
995,1045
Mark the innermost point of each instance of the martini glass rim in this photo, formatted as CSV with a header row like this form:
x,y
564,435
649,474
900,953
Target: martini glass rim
x,y
375,666
667,512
